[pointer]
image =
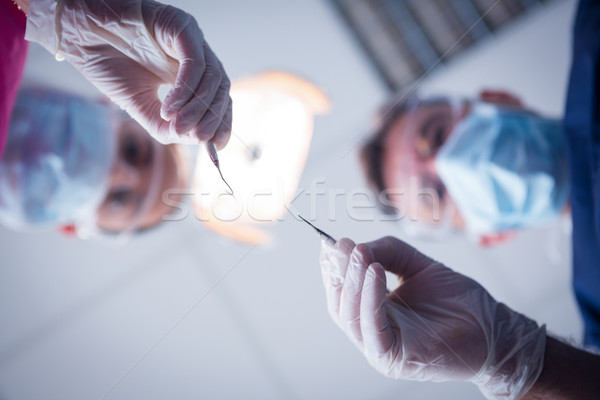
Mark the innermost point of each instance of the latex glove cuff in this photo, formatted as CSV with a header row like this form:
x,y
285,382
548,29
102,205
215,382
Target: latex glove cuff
x,y
513,364
40,26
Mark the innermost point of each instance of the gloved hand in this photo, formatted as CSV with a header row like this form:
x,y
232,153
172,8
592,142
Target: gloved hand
x,y
437,325
128,49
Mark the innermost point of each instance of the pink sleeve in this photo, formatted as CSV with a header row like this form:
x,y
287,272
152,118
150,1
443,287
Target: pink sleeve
x,y
13,52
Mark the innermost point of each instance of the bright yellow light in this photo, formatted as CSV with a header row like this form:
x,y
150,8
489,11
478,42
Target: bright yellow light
x,y
273,116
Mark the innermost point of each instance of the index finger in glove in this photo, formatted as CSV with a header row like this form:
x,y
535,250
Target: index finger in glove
x,y
350,301
334,264
216,113
398,257
377,334
196,107
182,39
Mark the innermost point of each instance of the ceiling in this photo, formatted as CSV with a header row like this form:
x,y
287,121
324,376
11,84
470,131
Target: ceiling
x,y
181,313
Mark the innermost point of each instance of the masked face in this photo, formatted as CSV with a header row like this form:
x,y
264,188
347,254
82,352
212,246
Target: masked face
x,y
504,168
476,166
73,161
57,159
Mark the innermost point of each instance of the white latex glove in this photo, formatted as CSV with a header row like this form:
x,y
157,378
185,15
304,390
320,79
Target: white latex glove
x,y
438,325
128,49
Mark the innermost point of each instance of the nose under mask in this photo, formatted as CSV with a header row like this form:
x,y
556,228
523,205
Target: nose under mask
x,y
504,168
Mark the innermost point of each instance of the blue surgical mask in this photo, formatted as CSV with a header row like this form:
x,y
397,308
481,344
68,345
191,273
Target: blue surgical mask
x,y
504,168
57,160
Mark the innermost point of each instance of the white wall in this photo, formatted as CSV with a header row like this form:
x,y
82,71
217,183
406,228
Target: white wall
x,y
77,316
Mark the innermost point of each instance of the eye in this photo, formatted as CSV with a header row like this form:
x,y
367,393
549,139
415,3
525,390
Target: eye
x,y
439,136
440,189
130,150
118,199
432,135
435,136
436,186
136,151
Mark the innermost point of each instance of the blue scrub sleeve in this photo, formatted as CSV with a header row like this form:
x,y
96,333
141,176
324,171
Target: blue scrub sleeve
x,y
582,128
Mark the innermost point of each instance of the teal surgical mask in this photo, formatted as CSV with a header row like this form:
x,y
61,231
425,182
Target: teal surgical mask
x,y
57,160
504,168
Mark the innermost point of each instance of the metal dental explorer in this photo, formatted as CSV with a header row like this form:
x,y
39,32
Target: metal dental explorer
x,y
330,241
214,157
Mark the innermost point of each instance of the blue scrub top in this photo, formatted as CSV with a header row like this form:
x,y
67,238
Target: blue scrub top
x,y
582,127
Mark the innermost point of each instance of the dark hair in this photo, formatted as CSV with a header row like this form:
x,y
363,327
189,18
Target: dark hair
x,y
372,150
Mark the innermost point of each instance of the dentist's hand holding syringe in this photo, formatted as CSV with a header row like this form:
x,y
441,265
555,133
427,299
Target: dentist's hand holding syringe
x,y
437,325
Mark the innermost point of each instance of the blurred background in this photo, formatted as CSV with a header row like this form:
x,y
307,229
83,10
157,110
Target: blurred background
x,y
182,312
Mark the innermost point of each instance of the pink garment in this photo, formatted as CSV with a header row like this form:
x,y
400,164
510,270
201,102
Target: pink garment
x,y
13,53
